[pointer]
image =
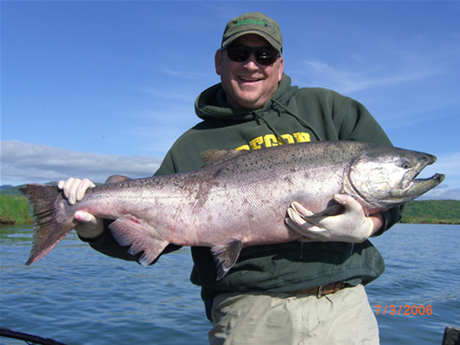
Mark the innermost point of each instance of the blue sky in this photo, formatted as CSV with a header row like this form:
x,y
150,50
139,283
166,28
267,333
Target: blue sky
x,y
95,88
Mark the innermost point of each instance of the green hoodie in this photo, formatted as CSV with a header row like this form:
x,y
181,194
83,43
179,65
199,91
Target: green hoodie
x,y
294,115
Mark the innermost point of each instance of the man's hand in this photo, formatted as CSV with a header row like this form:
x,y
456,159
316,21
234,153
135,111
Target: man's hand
x,y
351,226
74,190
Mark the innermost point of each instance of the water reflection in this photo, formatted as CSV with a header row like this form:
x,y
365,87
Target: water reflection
x,y
16,233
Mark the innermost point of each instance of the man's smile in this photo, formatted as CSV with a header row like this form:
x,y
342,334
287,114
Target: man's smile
x,y
248,79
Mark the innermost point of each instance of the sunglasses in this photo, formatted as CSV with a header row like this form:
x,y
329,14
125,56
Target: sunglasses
x,y
264,56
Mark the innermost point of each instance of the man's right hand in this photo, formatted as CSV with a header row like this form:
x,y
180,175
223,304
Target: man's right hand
x,y
74,190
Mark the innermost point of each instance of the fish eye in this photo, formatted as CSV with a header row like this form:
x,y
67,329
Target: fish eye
x,y
405,164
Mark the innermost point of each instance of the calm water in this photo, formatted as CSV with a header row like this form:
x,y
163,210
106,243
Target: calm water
x,y
78,296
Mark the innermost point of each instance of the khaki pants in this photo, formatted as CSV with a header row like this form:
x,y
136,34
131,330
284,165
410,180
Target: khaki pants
x,y
344,317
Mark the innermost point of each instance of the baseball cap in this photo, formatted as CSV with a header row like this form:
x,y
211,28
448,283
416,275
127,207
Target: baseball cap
x,y
253,23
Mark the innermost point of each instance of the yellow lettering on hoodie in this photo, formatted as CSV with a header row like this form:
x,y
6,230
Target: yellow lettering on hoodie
x,y
256,143
302,137
288,138
270,140
243,147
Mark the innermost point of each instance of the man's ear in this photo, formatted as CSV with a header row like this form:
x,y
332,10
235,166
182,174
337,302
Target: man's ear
x,y
280,71
218,61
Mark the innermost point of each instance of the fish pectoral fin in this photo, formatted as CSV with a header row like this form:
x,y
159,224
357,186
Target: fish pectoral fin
x,y
130,231
226,256
332,210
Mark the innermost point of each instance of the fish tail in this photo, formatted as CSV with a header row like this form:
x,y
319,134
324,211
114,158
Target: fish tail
x,y
53,216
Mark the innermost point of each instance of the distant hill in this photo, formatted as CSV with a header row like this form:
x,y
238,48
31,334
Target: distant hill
x,y
432,211
6,186
14,191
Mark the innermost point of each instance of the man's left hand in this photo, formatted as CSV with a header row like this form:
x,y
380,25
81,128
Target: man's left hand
x,y
350,226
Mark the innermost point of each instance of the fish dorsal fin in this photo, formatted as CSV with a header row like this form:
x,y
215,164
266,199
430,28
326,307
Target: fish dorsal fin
x,y
116,178
211,157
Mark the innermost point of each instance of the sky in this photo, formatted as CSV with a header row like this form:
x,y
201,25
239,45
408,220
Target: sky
x,y
96,88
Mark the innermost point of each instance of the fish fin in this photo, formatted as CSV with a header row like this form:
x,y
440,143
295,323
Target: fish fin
x,y
226,256
212,157
53,218
332,210
128,230
116,178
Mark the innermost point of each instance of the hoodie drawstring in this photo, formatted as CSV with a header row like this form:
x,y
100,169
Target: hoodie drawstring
x,y
301,121
257,117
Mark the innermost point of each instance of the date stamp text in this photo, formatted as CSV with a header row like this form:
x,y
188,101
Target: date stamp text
x,y
403,309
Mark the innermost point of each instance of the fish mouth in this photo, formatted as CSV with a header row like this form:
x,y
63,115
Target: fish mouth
x,y
420,186
412,187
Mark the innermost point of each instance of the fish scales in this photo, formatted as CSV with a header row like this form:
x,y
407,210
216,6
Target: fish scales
x,y
238,199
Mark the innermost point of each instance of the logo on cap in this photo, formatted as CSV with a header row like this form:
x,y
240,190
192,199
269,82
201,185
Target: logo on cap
x,y
255,22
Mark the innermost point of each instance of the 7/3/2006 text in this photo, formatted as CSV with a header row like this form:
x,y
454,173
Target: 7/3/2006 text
x,y
403,310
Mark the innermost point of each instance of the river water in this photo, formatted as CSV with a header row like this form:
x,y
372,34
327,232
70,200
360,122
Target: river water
x,y
76,295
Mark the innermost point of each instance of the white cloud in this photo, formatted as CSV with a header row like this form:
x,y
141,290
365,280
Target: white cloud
x,y
442,192
35,163
345,81
446,163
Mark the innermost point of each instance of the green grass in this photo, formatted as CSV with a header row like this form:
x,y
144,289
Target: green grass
x,y
14,210
432,212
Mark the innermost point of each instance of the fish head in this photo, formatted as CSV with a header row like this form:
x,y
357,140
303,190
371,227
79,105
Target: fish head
x,y
384,177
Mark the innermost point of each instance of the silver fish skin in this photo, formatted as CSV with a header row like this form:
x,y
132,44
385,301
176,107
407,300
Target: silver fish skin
x,y
238,199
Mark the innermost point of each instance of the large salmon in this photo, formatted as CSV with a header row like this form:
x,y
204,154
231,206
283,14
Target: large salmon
x,y
238,199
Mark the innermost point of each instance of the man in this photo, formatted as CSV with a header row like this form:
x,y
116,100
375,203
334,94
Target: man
x,y
288,293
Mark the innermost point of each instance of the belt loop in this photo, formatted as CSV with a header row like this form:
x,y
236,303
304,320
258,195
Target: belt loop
x,y
320,291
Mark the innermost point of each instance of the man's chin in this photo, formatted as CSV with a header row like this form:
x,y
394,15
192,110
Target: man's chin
x,y
250,103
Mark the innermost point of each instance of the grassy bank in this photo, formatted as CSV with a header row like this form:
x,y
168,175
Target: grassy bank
x,y
432,212
14,210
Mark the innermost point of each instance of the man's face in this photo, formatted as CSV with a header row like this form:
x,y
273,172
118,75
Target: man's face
x,y
248,84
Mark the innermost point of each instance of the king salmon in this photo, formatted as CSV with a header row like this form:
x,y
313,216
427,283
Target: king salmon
x,y
238,199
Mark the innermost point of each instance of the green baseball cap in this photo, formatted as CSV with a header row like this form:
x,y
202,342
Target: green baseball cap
x,y
253,23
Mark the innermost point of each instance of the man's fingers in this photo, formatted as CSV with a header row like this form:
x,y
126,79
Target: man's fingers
x,y
300,210
90,226
295,216
300,225
83,187
69,190
350,226
75,189
85,217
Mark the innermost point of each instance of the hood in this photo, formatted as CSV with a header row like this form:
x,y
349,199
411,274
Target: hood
x,y
212,103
